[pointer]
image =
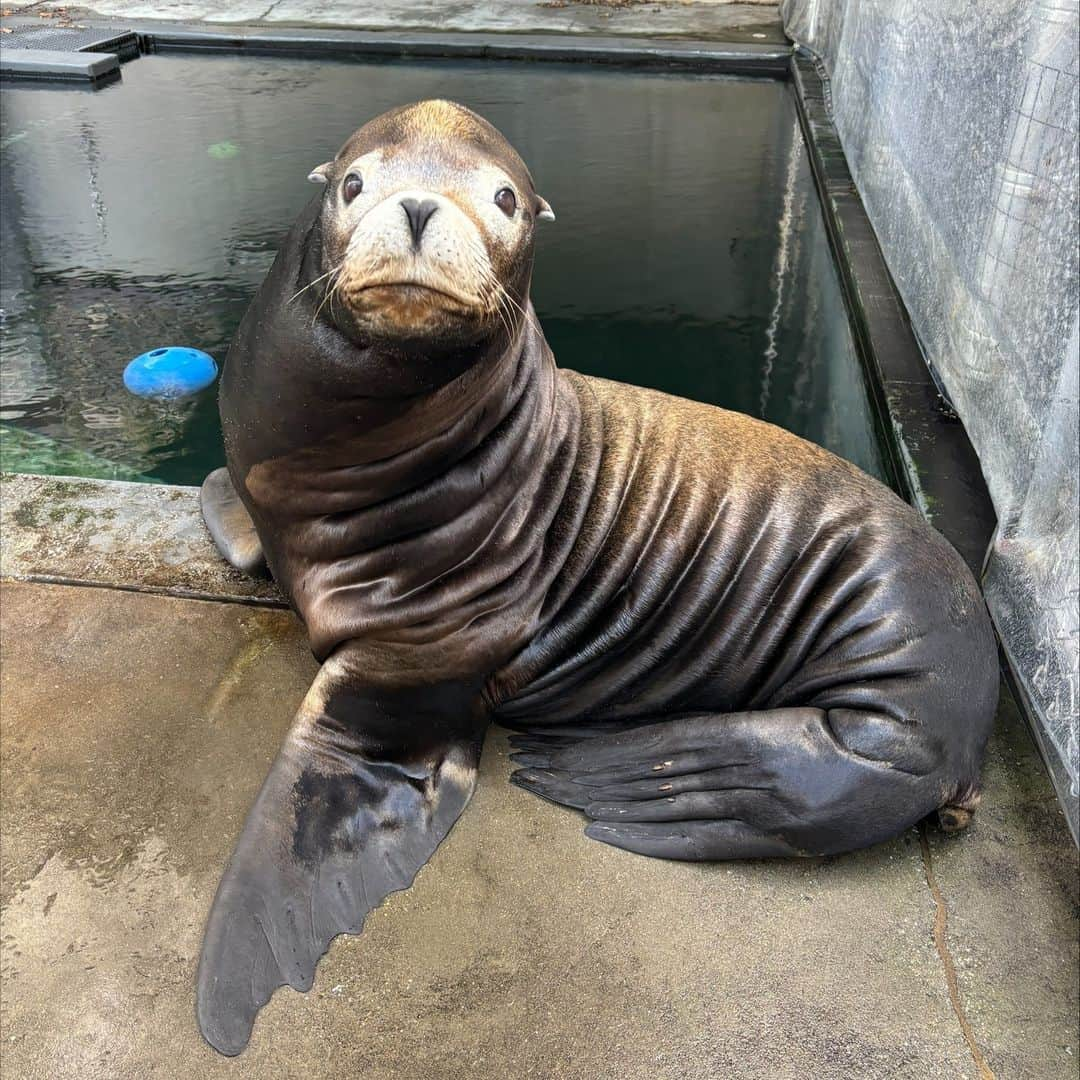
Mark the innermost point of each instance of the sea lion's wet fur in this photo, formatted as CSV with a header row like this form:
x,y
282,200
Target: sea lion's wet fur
x,y
718,640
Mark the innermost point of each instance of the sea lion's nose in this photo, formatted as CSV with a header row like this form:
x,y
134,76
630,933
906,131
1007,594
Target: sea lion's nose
x,y
419,214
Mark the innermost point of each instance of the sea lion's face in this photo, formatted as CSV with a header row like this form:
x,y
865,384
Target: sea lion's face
x,y
427,230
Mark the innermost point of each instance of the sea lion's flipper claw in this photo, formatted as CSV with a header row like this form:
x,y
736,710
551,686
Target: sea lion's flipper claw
x,y
554,786
230,525
336,827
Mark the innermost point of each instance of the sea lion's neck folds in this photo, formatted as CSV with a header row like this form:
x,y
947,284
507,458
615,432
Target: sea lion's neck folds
x,y
452,531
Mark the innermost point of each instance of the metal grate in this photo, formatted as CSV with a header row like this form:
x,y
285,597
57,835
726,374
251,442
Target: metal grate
x,y
97,39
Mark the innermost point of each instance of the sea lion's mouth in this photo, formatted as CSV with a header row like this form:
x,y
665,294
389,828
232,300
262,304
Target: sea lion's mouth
x,y
415,290
407,309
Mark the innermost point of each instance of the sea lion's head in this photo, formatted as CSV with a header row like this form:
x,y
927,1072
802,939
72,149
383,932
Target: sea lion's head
x,y
426,230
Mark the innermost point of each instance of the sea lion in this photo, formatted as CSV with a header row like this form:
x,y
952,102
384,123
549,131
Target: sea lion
x,y
718,640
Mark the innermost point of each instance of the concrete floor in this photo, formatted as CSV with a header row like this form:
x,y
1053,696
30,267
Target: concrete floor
x,y
136,728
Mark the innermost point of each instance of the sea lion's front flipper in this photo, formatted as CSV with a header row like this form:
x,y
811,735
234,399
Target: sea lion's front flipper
x,y
364,789
230,524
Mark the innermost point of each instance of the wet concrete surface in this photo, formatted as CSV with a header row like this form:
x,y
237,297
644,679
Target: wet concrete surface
x,y
750,22
116,533
136,729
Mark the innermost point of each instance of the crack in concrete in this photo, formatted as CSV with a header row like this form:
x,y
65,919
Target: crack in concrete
x,y
941,916
177,593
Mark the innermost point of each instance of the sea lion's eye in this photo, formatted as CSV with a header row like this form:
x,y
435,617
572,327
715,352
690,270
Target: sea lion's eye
x,y
506,201
352,187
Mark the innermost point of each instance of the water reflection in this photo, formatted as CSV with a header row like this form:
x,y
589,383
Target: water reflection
x,y
689,253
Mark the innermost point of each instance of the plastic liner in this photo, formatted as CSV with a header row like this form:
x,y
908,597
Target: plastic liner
x,y
959,119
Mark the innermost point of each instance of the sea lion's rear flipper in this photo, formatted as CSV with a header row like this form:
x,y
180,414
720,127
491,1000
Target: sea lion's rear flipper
x,y
790,781
230,524
361,794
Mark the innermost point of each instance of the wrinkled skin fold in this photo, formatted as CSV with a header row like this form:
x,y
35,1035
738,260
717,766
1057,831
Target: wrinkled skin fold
x,y
713,638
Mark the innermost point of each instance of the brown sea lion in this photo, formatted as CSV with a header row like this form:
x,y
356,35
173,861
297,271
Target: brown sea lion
x,y
719,640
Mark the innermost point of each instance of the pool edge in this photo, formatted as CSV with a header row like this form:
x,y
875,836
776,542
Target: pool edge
x,y
931,459
681,54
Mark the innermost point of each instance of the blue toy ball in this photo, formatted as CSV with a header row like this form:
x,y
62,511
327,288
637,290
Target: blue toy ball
x,y
170,373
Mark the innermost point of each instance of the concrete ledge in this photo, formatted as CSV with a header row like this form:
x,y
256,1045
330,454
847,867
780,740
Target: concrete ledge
x,y
118,535
52,64
699,55
714,20
933,463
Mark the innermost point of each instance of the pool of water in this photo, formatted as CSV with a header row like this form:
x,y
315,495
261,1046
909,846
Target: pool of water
x,y
689,252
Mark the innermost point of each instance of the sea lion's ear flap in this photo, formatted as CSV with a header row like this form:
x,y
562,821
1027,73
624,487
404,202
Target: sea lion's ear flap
x,y
543,210
320,174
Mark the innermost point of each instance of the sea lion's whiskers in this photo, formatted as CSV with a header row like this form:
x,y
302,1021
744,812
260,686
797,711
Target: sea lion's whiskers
x,y
331,292
335,284
487,287
315,281
525,314
506,316
503,312
326,297
318,310
502,297
505,303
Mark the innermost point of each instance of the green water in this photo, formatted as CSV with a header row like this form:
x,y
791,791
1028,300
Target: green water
x,y
689,251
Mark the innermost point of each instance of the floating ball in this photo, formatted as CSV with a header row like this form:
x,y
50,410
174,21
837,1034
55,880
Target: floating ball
x,y
222,151
173,372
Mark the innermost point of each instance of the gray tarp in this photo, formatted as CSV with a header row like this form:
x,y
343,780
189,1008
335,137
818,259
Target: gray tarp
x,y
959,122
